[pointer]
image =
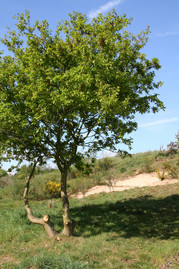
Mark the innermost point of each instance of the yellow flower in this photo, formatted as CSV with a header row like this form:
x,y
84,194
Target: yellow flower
x,y
53,188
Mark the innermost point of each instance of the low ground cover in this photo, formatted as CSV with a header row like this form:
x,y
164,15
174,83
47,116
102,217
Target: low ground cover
x,y
131,229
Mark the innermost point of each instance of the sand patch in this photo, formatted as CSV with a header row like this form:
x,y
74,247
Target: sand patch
x,y
141,180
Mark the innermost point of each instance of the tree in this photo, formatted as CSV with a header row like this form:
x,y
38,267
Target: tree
x,y
78,88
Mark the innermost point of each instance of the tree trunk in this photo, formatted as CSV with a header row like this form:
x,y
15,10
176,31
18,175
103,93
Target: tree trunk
x,y
45,221
69,224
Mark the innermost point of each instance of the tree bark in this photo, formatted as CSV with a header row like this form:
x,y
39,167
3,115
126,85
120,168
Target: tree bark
x,y
45,221
69,224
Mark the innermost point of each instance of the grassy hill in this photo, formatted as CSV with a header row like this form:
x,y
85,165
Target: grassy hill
x,y
102,172
132,229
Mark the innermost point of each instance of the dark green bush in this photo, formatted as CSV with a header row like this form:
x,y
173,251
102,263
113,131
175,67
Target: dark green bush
x,y
3,173
123,169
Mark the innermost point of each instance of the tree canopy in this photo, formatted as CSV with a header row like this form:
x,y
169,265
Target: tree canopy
x,y
77,88
81,86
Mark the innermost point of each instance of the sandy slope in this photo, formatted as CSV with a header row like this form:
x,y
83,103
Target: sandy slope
x,y
140,180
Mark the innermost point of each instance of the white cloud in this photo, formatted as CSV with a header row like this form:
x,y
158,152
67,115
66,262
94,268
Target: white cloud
x,y
104,8
166,34
159,122
108,153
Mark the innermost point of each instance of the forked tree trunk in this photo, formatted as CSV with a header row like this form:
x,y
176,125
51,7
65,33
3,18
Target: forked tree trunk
x,y
45,221
69,224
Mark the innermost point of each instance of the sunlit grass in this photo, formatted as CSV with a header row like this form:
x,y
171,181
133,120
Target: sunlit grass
x,y
131,229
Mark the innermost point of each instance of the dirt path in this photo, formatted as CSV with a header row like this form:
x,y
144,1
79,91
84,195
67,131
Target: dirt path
x,y
141,180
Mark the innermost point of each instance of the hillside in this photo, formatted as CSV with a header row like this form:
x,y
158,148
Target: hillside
x,y
135,228
106,171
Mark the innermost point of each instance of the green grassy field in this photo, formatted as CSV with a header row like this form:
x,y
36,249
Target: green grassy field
x,y
131,229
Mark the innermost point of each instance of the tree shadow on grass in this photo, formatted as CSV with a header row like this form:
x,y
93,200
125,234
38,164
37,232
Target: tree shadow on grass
x,y
140,217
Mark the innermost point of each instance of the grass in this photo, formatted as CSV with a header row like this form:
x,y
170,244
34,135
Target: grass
x,y
131,229
108,169
103,172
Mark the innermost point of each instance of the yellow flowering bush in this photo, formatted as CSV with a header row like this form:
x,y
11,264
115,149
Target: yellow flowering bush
x,y
168,170
161,174
53,189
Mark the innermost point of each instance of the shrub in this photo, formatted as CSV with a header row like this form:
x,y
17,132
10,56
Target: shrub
x,y
53,189
98,178
3,173
161,174
147,166
168,170
23,172
105,163
73,173
123,170
172,148
81,184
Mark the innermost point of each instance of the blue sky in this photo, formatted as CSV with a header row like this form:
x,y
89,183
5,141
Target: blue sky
x,y
155,130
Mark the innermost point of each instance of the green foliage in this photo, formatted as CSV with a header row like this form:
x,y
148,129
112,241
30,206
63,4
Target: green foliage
x,y
104,164
18,189
81,184
73,172
54,93
5,179
57,93
123,169
148,165
25,170
168,170
135,164
38,189
3,173
84,168
171,169
171,149
78,182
